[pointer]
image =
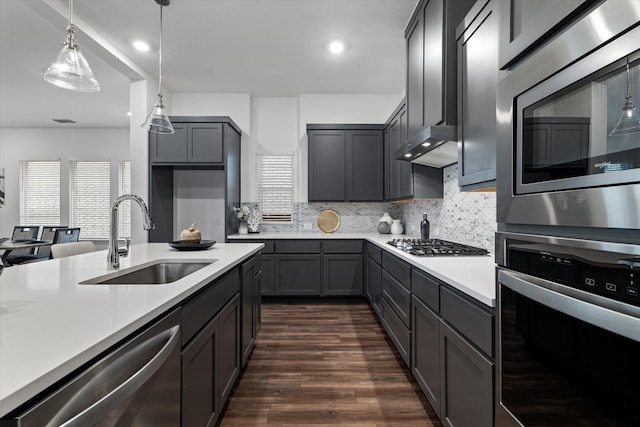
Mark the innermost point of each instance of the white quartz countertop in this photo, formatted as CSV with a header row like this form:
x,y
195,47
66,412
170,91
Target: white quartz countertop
x,y
473,275
51,325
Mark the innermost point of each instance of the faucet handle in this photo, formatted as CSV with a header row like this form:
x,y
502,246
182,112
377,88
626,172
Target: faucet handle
x,y
123,252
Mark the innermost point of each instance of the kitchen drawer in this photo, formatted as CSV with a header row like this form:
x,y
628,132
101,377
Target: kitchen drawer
x,y
374,251
398,297
268,247
475,323
426,288
398,332
342,246
297,246
400,270
197,312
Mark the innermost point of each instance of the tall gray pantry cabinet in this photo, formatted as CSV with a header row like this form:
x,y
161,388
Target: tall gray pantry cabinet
x,y
199,143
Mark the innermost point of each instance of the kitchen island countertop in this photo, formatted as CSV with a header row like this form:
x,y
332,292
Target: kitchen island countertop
x,y
50,325
473,275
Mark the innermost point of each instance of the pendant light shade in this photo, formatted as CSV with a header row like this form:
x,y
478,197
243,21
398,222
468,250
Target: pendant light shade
x,y
70,70
629,120
157,121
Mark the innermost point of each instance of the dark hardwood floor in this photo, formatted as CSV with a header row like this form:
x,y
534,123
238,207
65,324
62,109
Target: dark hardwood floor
x,y
325,364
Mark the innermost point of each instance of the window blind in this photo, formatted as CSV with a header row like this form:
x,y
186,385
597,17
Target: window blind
x,y
275,186
39,193
90,205
124,181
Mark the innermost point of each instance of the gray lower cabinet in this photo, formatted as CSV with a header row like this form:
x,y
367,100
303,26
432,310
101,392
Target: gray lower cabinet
x,y
311,267
477,79
373,277
342,267
210,366
452,350
250,293
342,274
298,274
268,278
396,303
467,382
425,360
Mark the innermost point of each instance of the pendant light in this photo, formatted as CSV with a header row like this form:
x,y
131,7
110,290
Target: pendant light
x,y
629,120
71,70
157,121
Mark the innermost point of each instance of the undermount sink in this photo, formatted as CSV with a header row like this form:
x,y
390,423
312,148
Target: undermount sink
x,y
155,273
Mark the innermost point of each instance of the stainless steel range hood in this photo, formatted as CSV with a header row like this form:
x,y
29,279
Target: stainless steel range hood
x,y
435,146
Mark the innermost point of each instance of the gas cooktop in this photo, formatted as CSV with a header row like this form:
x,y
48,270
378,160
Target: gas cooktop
x,y
436,247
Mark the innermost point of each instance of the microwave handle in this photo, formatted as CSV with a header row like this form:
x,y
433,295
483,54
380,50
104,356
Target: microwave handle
x,y
614,316
94,411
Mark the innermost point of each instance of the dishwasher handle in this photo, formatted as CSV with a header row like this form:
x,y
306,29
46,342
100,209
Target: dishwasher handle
x,y
96,411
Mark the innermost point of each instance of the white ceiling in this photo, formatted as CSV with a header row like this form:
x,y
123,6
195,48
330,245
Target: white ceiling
x,y
260,47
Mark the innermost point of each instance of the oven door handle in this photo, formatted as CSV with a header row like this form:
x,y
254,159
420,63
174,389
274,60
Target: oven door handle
x,y
614,316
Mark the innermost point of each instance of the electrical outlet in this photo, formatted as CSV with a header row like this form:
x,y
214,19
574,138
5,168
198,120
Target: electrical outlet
x,y
306,226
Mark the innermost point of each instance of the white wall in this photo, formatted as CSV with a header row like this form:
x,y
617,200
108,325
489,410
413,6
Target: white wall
x,y
339,108
277,125
53,144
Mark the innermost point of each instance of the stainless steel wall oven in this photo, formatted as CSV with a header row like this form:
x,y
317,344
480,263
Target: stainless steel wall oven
x,y
568,213
568,332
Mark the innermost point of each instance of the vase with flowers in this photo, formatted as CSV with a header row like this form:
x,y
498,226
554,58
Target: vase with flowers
x,y
249,219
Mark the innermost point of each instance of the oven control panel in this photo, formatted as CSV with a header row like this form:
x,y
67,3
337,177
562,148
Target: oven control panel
x,y
609,274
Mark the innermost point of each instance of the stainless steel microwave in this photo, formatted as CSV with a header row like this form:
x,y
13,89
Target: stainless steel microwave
x,y
568,129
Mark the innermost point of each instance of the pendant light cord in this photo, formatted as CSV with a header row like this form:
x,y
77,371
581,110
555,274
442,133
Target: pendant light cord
x,y
70,11
160,57
628,80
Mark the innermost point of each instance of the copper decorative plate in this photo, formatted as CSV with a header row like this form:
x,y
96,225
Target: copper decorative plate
x,y
328,221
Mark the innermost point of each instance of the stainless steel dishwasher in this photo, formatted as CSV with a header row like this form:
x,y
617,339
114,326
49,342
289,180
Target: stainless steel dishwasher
x,y
137,384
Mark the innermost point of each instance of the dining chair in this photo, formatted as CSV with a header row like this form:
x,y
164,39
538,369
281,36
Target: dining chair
x,y
23,232
61,250
48,234
66,235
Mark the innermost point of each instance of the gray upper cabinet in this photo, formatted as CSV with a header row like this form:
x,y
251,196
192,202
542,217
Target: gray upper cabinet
x,y
204,142
169,148
346,163
431,63
477,77
405,180
191,143
399,179
415,76
327,165
526,24
199,143
365,171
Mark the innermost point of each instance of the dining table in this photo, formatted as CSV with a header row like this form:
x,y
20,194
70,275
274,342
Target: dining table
x,y
7,246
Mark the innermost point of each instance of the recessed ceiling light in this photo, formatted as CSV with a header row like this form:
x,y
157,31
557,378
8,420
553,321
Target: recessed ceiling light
x,y
129,113
408,155
141,46
426,144
336,47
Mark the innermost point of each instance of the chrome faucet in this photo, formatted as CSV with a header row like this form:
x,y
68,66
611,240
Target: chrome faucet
x,y
114,252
